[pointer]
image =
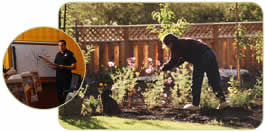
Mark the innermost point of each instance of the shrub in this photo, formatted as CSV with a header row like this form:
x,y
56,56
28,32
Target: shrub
x,y
87,53
236,97
208,97
91,105
258,88
124,79
182,80
82,92
153,95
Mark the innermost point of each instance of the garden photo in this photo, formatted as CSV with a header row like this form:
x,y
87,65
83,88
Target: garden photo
x,y
166,65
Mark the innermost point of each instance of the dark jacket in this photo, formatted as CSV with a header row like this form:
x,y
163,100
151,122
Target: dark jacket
x,y
185,50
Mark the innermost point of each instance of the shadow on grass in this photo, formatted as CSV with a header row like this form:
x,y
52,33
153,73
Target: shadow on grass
x,y
155,124
82,122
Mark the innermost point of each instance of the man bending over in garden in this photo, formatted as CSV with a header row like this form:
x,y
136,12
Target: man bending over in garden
x,y
203,59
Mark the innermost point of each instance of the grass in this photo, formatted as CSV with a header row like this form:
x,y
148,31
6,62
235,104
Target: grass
x,y
106,122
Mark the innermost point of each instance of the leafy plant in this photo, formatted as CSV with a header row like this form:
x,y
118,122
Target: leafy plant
x,y
257,46
258,88
82,92
182,79
208,98
154,93
242,38
66,18
236,97
91,105
124,79
240,99
87,53
165,17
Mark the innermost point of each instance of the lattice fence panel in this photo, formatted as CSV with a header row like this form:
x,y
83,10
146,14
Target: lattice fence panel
x,y
100,34
199,31
141,33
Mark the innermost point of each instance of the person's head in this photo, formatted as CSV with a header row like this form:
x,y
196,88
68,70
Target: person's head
x,y
62,45
169,39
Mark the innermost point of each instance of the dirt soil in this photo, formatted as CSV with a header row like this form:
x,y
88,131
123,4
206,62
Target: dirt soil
x,y
235,117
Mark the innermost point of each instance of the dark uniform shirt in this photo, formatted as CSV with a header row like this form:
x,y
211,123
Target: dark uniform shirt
x,y
186,50
67,59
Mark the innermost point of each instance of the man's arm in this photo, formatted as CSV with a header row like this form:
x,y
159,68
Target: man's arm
x,y
52,65
73,66
172,63
175,59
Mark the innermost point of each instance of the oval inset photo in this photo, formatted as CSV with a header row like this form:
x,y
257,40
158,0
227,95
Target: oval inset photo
x,y
43,67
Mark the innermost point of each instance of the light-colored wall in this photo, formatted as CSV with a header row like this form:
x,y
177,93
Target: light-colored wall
x,y
46,34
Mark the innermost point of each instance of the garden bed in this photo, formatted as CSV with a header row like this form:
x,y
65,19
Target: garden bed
x,y
236,117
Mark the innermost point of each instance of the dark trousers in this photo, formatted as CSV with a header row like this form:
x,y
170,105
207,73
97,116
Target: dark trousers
x,y
209,66
63,82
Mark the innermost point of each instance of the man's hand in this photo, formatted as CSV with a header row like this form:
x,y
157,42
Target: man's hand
x,y
164,68
66,67
60,66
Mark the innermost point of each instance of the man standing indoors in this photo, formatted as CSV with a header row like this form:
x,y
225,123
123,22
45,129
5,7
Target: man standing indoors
x,y
64,63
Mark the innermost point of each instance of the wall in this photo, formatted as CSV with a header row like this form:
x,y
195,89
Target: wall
x,y
46,34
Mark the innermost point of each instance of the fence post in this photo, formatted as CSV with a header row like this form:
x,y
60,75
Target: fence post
x,y
247,59
217,45
145,53
136,55
229,51
215,36
252,57
123,45
76,33
155,53
116,54
96,59
165,55
243,59
64,18
224,53
59,19
106,54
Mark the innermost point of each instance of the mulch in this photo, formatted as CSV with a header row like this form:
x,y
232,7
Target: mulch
x,y
235,117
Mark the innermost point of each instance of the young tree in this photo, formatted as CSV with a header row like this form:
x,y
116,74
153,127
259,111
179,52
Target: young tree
x,y
165,17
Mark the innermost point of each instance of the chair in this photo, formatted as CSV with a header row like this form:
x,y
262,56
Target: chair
x,y
16,85
76,81
36,81
29,86
75,85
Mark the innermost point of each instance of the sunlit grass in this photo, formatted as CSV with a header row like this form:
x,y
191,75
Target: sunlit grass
x,y
106,122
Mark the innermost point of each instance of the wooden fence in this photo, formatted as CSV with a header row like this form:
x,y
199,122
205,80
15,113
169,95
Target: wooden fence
x,y
117,43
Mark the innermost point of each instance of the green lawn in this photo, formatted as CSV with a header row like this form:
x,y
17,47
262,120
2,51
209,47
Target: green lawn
x,y
105,122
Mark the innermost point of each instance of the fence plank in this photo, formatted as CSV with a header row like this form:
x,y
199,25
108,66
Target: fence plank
x,y
155,57
96,59
219,53
145,54
229,52
135,54
243,58
106,54
252,57
165,55
116,54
